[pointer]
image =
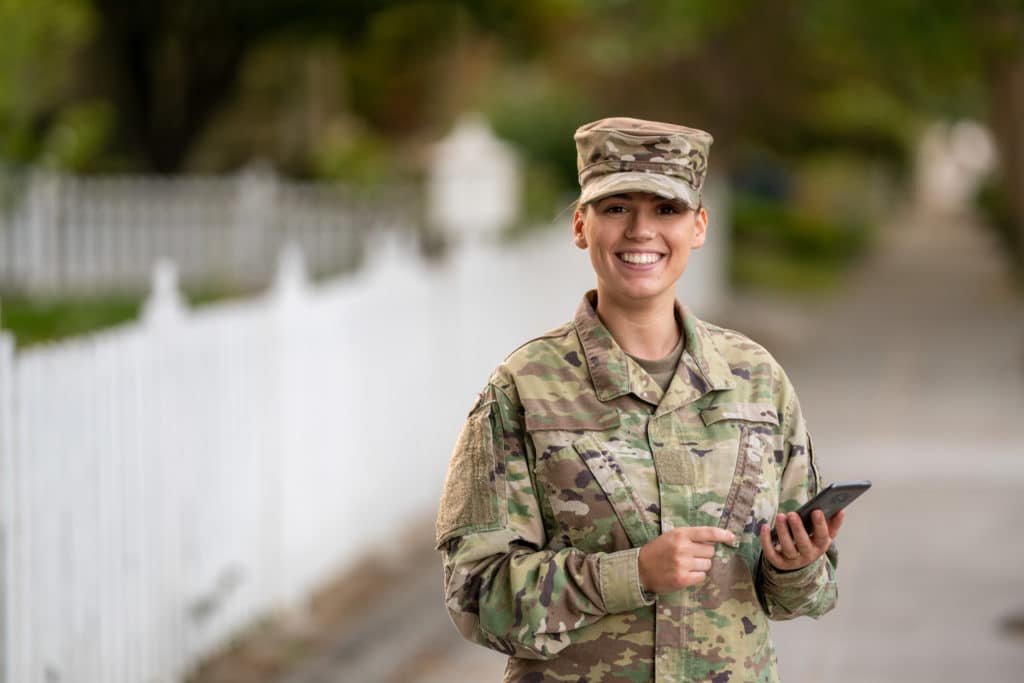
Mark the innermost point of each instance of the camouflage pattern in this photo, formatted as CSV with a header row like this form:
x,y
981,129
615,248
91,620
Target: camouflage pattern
x,y
618,155
573,458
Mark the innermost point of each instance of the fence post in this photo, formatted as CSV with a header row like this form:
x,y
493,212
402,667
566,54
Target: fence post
x,y
164,319
254,218
288,296
6,503
34,236
474,183
165,302
291,277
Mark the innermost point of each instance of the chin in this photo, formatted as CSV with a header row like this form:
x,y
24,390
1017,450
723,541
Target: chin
x,y
643,295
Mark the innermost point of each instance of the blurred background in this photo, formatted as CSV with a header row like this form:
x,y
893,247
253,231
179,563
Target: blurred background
x,y
257,259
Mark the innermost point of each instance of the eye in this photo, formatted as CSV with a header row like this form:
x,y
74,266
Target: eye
x,y
613,208
669,208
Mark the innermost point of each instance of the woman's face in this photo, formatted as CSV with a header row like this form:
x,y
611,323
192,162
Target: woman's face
x,y
639,244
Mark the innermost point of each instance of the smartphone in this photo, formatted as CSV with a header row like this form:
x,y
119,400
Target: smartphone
x,y
829,500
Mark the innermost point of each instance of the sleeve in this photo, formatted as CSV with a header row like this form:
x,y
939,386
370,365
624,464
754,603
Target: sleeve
x,y
503,589
810,591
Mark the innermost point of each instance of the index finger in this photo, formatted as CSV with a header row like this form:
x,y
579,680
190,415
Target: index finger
x,y
711,534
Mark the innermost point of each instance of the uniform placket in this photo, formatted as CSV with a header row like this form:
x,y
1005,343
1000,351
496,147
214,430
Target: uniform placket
x,y
675,490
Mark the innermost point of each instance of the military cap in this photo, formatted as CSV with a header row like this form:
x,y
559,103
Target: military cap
x,y
621,154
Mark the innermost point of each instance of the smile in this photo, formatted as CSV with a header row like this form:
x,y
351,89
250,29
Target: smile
x,y
640,259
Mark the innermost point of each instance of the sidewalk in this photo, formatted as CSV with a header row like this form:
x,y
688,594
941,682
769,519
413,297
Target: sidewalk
x,y
913,378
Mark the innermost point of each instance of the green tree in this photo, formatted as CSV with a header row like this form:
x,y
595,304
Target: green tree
x,y
171,65
948,57
42,114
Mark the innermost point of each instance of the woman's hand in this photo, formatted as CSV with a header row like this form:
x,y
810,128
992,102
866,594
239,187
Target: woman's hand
x,y
679,558
795,548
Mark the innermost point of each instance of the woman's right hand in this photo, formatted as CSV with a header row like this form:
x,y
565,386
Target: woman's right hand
x,y
679,557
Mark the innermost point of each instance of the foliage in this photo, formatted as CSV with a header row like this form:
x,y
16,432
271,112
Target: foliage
x,y
171,67
775,245
994,206
949,58
39,55
78,137
356,89
362,159
540,115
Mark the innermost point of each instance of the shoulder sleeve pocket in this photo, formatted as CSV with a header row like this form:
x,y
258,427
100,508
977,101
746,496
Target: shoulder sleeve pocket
x,y
471,500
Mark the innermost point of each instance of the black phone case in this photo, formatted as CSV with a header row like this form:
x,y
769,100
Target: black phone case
x,y
830,500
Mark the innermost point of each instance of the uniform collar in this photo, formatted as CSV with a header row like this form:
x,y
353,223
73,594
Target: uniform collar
x,y
701,368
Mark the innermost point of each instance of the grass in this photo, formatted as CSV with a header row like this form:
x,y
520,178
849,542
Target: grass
x,y
34,320
40,319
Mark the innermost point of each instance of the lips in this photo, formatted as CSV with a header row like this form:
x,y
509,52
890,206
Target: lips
x,y
640,258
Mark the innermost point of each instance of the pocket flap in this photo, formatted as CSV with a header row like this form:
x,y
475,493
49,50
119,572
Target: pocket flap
x,y
749,412
612,480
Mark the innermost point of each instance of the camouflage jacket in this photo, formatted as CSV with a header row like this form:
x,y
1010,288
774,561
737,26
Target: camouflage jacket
x,y
573,458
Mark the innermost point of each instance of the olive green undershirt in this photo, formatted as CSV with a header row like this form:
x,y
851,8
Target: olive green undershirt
x,y
663,369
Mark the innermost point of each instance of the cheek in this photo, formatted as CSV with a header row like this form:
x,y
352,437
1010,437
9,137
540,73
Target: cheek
x,y
682,255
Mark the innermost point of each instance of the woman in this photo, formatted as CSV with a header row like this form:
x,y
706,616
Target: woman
x,y
606,517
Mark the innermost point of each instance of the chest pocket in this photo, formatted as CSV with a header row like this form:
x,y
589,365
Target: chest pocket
x,y
592,503
747,483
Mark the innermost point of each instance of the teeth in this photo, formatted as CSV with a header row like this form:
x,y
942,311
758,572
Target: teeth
x,y
639,259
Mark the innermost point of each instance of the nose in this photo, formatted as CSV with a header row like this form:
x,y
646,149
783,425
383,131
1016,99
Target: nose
x,y
640,227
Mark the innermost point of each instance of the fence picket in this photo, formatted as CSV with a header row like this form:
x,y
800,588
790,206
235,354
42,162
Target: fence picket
x,y
9,537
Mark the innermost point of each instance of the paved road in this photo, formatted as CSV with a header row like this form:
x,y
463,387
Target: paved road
x,y
914,378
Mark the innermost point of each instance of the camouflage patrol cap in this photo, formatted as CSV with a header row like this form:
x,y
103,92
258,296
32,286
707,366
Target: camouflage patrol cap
x,y
622,154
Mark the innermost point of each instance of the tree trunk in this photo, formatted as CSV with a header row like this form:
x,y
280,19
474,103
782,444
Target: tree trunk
x,y
1006,84
168,74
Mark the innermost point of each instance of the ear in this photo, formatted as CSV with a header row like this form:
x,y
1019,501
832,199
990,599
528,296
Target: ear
x,y
579,237
700,229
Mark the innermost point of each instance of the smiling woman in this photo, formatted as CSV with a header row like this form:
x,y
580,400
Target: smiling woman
x,y
639,246
608,506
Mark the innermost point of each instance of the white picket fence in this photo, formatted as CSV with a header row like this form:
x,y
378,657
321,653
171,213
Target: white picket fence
x,y
64,233
165,483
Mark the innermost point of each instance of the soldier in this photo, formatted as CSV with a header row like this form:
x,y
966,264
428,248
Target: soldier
x,y
608,505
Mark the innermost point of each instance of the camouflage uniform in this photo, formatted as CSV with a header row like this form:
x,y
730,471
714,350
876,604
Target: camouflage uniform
x,y
573,458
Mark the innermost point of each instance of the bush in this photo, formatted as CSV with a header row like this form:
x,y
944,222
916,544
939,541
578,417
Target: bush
x,y
776,246
994,207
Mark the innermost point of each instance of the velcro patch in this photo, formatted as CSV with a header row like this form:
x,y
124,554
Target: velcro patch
x,y
470,500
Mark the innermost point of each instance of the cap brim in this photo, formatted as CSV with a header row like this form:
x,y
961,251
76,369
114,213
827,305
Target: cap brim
x,y
639,181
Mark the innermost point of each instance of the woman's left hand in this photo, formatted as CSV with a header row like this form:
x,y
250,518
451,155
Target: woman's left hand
x,y
796,548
